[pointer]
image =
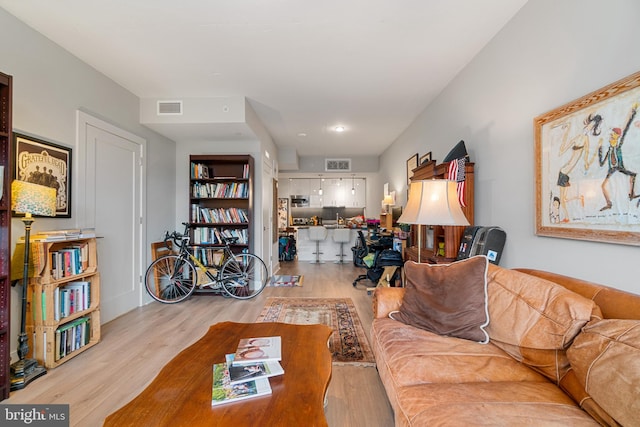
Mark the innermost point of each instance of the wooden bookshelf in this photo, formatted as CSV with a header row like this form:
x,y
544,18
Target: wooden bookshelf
x,y
5,232
63,303
220,202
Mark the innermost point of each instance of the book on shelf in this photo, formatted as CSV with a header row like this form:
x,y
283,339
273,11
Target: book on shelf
x,y
223,391
259,349
252,371
72,336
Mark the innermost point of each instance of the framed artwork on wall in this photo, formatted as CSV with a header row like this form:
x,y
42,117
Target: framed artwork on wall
x,y
45,163
587,156
425,158
412,163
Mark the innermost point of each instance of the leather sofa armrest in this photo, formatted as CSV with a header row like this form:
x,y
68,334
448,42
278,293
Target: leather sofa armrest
x,y
386,300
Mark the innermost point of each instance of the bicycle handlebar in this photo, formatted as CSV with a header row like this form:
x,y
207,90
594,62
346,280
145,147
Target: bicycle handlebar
x,y
179,239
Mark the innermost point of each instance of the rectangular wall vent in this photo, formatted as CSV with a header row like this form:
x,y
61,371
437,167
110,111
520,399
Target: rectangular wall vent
x,y
337,165
169,108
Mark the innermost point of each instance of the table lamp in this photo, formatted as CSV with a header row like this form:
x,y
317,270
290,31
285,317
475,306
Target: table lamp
x,y
387,202
432,202
28,199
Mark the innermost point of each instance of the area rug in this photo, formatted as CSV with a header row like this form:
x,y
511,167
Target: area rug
x,y
348,343
286,281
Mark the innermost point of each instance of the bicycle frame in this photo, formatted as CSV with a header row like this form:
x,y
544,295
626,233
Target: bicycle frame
x,y
184,252
173,278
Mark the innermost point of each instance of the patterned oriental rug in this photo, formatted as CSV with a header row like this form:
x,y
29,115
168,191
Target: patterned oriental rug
x,y
348,343
286,281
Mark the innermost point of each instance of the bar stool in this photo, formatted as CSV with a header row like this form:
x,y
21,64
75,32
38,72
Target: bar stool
x,y
316,234
342,236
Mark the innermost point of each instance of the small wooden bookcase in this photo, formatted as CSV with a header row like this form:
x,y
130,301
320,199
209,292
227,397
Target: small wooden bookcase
x,y
63,300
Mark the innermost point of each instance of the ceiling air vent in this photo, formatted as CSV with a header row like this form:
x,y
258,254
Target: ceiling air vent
x,y
169,108
337,165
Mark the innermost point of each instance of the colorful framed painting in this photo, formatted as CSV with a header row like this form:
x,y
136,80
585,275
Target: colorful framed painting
x,y
587,157
45,163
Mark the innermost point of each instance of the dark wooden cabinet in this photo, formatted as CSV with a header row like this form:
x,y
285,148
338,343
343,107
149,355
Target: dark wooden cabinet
x,y
220,203
449,236
5,232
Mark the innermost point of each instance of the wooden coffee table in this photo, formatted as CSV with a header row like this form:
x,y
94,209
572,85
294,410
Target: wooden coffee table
x,y
181,393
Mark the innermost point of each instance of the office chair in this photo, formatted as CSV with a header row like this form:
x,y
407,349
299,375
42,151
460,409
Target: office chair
x,y
360,250
383,256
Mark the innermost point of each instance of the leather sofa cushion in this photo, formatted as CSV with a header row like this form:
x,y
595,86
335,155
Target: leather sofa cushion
x,y
490,404
447,299
410,356
606,360
535,320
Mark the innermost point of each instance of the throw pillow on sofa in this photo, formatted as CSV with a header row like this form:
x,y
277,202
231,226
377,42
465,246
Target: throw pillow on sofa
x,y
534,320
606,360
447,299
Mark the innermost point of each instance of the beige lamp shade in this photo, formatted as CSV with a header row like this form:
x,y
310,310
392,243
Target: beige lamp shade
x,y
32,199
433,202
388,200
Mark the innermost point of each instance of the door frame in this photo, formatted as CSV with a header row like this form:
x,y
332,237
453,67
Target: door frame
x,y
84,206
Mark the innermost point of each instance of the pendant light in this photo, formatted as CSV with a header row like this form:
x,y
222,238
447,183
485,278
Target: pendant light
x,y
353,185
320,190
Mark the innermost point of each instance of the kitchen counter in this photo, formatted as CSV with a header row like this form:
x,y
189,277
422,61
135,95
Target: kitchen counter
x,y
330,249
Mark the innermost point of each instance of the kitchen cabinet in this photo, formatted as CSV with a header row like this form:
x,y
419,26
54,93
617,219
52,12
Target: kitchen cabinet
x,y
359,199
315,198
335,192
283,188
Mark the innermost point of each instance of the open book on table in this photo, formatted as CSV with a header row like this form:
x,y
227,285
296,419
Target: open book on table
x,y
225,392
252,371
260,349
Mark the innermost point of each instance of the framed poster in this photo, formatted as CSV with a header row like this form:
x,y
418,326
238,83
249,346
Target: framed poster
x,y
45,163
412,163
425,158
587,156
283,213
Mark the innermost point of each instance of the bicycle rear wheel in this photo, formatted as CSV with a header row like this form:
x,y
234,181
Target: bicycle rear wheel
x,y
244,276
170,279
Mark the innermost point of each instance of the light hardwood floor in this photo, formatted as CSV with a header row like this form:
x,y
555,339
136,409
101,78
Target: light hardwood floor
x,y
136,346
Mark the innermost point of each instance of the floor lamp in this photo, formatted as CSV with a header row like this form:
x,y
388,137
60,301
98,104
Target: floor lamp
x,y
28,199
432,202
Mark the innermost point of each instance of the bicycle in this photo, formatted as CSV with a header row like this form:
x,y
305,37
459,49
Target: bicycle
x,y
173,278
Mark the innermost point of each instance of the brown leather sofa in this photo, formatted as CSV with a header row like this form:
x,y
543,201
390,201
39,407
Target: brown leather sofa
x,y
591,378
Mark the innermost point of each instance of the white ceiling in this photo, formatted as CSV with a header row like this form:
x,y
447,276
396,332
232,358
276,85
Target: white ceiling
x,y
305,66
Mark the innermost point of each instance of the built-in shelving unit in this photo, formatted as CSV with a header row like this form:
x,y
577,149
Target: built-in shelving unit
x,y
220,203
5,232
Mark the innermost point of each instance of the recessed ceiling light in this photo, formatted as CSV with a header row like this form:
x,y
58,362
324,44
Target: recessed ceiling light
x,y
339,129
302,134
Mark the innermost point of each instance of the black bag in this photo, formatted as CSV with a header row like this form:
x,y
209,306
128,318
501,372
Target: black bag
x,y
386,258
389,258
287,248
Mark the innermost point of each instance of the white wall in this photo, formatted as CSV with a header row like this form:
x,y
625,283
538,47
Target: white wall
x,y
49,86
552,52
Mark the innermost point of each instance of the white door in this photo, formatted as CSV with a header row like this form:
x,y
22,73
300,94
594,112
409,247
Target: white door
x,y
112,173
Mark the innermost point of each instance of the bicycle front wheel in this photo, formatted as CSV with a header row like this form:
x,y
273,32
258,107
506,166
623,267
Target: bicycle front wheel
x,y
170,279
244,276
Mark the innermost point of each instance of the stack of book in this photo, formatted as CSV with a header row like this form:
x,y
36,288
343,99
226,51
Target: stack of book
x,y
58,235
245,374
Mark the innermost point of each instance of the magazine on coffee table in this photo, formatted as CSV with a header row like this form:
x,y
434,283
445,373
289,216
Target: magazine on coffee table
x,y
252,371
260,349
225,392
